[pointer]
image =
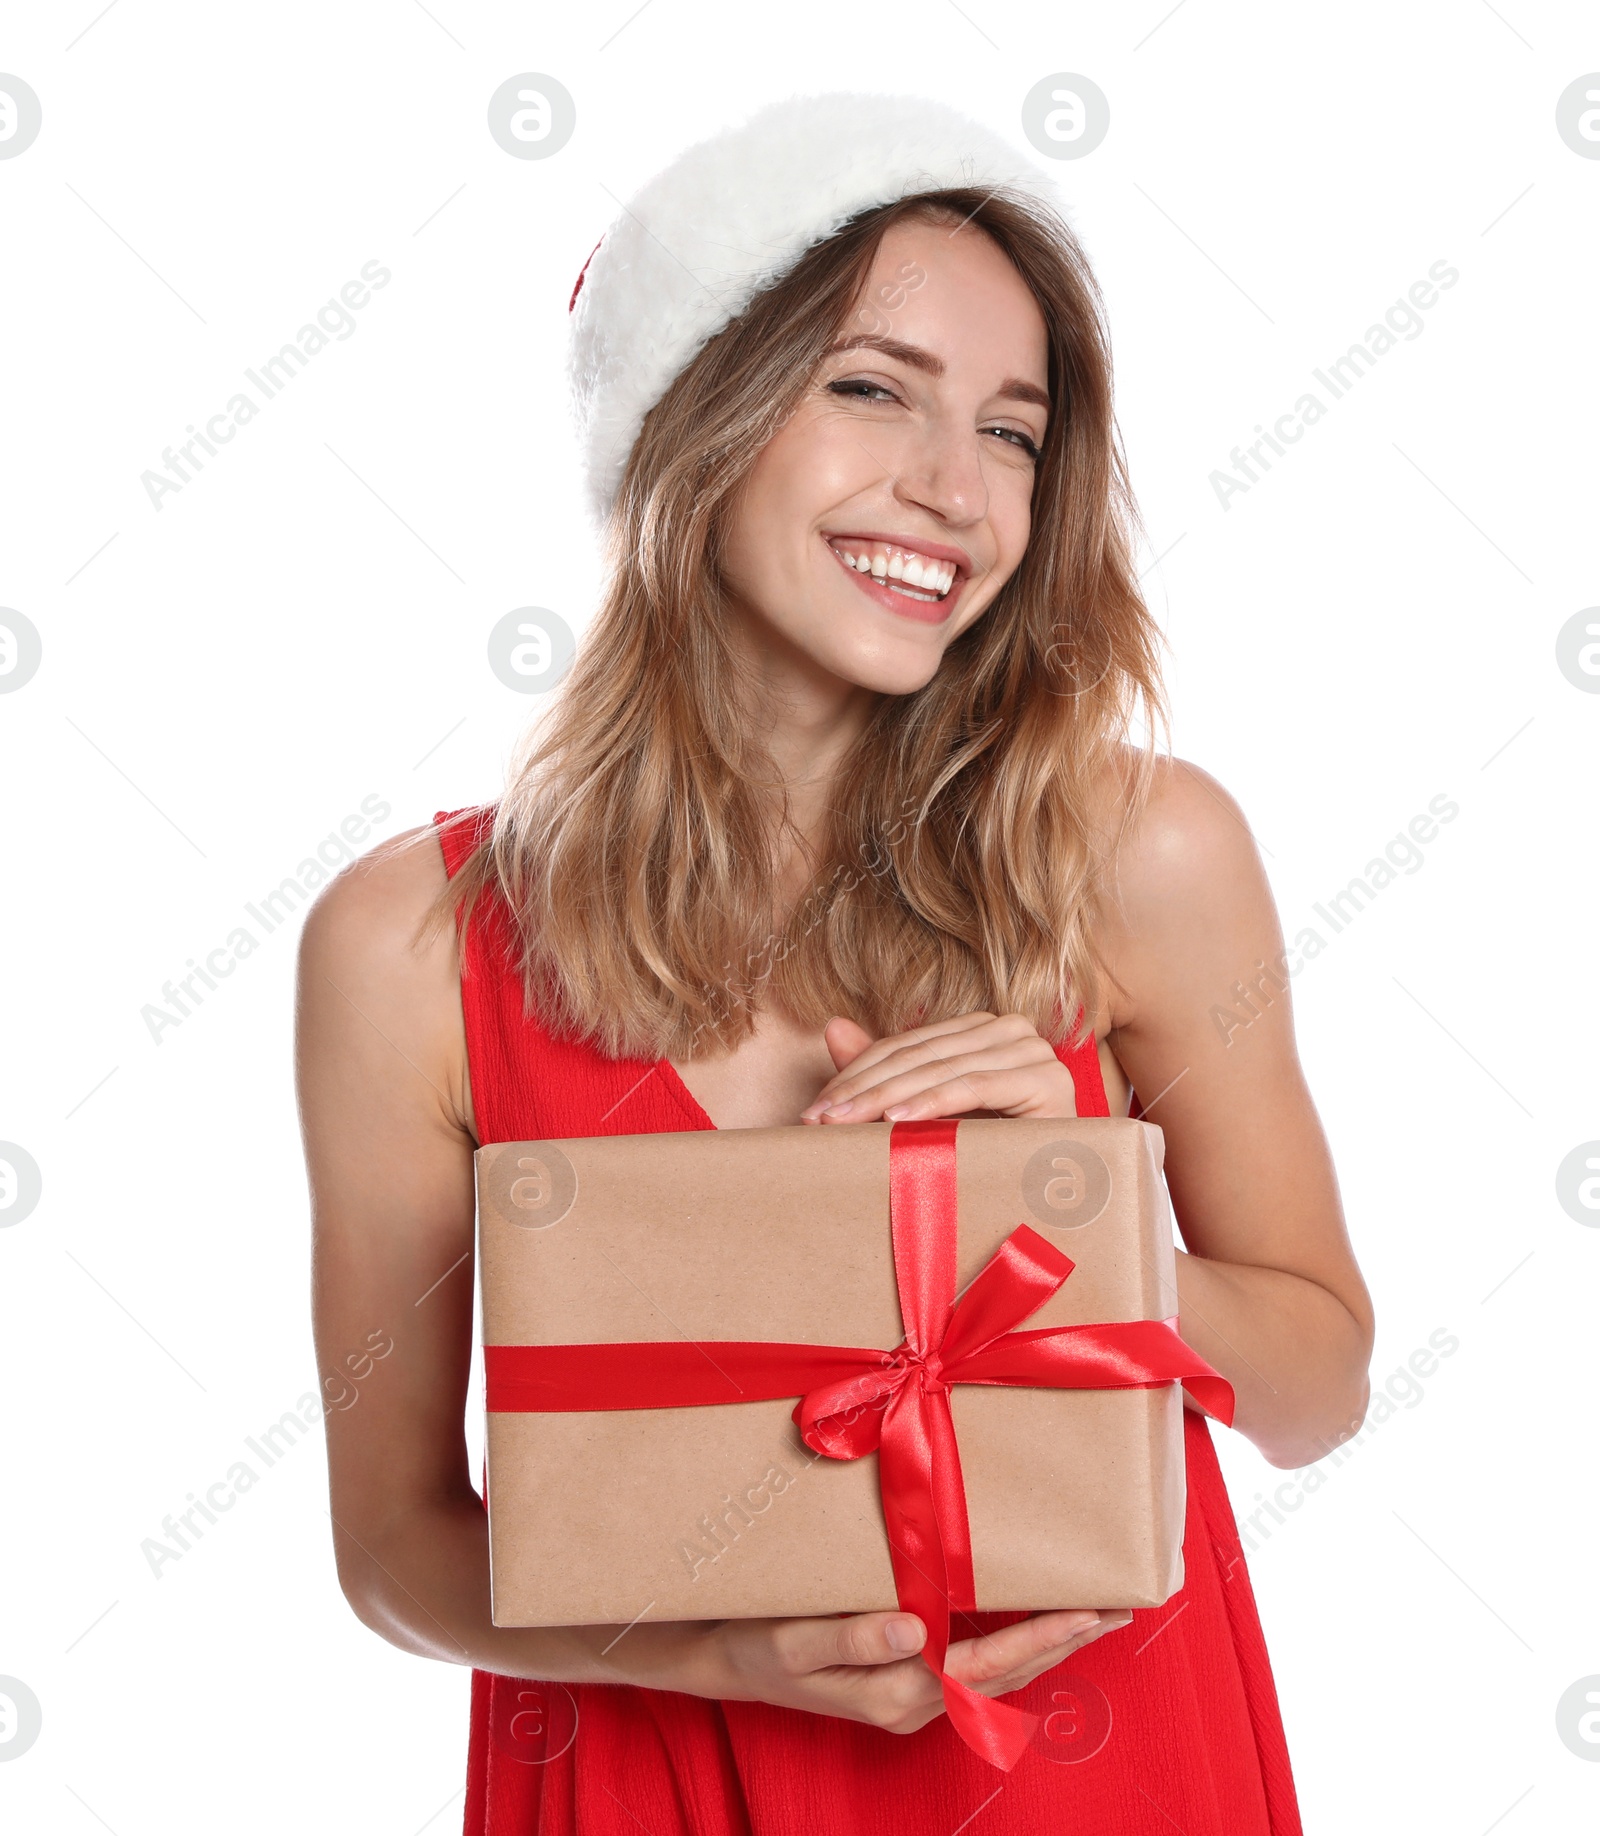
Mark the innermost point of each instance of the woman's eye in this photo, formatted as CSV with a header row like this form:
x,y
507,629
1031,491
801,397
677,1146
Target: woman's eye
x,y
862,390
1021,439
850,385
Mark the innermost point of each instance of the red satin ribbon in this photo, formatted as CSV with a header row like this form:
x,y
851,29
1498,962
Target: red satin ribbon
x,y
856,1400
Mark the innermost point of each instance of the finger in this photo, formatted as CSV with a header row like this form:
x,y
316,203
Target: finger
x,y
1056,1654
878,1051
1022,1090
992,1038
918,1065
1031,1673
1112,1620
994,1655
845,1040
1008,1079
1042,1662
862,1639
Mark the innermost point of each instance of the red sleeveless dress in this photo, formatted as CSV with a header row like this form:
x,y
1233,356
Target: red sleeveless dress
x,y
1169,1724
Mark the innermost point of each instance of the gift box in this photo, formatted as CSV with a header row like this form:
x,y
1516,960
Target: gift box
x,y
750,1372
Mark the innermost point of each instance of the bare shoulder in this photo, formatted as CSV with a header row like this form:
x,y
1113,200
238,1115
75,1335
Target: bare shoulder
x,y
368,967
377,904
1191,833
1186,893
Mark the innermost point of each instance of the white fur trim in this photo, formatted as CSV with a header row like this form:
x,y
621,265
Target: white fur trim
x,y
729,216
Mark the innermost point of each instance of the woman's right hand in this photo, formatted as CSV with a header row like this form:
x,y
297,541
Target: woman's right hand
x,y
866,1667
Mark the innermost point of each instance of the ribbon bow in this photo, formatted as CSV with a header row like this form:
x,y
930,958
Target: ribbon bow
x,y
855,1400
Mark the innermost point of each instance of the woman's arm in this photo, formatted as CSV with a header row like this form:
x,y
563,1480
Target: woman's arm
x,y
387,1121
1269,1289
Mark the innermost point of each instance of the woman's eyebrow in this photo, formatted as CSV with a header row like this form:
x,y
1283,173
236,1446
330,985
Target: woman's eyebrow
x,y
1013,389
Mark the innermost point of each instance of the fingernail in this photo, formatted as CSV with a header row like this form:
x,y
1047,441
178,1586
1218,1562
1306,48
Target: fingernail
x,y
1080,1622
904,1635
838,1109
899,1112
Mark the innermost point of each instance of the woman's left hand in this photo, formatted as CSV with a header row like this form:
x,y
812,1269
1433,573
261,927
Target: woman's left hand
x,y
978,1063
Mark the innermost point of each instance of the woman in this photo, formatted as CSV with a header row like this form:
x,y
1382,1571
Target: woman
x,y
836,819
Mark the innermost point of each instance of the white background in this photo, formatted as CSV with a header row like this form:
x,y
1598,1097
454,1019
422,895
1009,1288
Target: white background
x,y
1371,625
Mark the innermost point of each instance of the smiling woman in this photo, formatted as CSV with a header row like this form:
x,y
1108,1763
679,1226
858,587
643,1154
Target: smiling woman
x,y
966,379
795,708
850,809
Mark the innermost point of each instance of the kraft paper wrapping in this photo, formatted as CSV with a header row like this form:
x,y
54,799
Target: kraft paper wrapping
x,y
1075,1497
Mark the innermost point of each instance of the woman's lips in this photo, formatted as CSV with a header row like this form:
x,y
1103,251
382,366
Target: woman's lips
x,y
924,611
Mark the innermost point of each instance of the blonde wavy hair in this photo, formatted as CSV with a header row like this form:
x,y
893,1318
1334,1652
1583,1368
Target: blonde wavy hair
x,y
962,863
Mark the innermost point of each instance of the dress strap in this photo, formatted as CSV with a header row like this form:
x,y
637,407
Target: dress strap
x,y
1083,1061
460,831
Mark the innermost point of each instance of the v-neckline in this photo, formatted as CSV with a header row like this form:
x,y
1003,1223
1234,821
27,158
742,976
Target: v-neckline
x,y
681,1090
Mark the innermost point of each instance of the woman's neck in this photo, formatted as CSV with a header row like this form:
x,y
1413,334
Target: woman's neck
x,y
805,718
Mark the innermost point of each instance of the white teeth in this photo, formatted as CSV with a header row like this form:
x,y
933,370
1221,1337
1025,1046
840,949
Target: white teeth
x,y
918,576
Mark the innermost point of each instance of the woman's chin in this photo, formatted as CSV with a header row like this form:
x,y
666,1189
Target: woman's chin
x,y
884,674
870,658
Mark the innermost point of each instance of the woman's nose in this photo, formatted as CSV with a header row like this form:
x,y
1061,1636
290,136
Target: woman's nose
x,y
942,472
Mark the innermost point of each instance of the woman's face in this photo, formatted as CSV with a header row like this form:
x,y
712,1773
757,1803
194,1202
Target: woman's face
x,y
891,507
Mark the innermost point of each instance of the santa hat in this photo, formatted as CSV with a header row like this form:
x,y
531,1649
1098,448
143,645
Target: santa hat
x,y
731,215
